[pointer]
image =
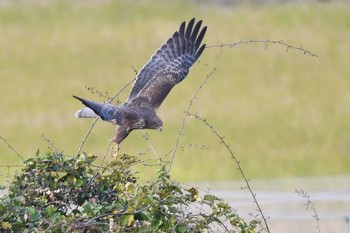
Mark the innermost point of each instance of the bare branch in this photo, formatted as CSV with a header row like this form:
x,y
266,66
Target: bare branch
x,y
93,91
185,116
135,70
49,142
106,153
126,85
223,142
265,44
191,145
86,136
145,135
121,90
310,206
11,147
11,165
123,212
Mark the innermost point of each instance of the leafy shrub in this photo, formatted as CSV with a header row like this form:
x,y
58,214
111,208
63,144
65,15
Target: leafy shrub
x,y
58,193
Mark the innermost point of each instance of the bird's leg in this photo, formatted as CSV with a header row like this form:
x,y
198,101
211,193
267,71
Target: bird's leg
x,y
118,148
116,151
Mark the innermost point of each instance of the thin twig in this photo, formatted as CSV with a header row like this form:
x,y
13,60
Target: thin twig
x,y
105,155
191,145
52,145
126,85
123,88
221,138
310,206
92,90
185,116
135,70
11,147
123,212
265,42
11,165
86,136
145,135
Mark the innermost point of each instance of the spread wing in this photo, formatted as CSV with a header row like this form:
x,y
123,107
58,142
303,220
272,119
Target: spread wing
x,y
168,66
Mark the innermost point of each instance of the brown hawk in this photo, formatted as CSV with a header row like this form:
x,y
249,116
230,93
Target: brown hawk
x,y
167,67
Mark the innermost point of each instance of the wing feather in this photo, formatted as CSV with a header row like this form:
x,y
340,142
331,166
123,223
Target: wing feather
x,y
169,65
189,29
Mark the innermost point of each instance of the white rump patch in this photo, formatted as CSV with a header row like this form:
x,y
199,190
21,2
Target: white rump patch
x,y
85,113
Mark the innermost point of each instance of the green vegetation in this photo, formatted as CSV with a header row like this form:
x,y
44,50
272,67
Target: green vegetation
x,y
58,193
283,113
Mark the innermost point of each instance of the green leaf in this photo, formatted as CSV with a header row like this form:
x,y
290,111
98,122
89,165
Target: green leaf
x,y
124,220
209,197
130,220
53,213
87,209
6,225
143,216
80,182
33,214
181,228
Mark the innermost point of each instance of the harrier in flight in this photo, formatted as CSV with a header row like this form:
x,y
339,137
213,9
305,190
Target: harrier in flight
x,y
167,67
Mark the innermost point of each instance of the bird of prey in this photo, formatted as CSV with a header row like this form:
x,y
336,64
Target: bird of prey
x,y
167,67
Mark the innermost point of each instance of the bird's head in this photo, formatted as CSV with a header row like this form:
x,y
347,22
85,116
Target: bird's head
x,y
156,123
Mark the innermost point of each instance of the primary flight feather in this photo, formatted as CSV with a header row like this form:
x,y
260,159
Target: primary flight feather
x,y
167,67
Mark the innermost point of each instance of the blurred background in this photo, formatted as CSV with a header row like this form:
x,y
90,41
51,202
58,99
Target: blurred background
x,y
285,114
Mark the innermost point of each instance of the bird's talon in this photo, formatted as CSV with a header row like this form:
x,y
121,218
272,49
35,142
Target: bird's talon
x,y
116,151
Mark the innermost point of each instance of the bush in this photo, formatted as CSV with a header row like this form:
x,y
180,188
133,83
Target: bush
x,y
58,193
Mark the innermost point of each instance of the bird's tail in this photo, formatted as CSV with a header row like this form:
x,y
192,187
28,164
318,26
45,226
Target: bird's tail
x,y
85,113
105,110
